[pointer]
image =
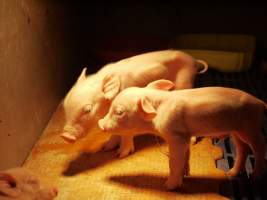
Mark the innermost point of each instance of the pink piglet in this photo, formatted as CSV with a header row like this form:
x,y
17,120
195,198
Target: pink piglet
x,y
178,115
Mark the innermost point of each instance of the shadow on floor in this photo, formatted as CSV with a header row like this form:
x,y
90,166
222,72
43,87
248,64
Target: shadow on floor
x,y
89,161
191,185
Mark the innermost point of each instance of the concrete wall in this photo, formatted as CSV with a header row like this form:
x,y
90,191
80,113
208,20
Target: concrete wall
x,y
33,66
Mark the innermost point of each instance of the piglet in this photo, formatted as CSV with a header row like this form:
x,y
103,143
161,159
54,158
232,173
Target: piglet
x,y
21,184
89,99
178,115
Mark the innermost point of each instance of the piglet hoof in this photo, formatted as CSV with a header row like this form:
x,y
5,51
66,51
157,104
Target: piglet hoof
x,y
173,184
53,192
186,171
193,140
123,152
258,174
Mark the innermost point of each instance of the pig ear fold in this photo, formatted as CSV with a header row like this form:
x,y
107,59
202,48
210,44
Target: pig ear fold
x,y
82,76
146,109
111,86
161,85
8,185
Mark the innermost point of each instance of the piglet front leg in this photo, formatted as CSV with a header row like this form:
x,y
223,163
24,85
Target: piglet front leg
x,y
178,160
113,142
125,143
126,146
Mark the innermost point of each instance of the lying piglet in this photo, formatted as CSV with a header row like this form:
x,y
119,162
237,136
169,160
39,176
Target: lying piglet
x,y
90,98
21,184
178,115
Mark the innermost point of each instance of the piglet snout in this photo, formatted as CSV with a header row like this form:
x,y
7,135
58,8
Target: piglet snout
x,y
101,125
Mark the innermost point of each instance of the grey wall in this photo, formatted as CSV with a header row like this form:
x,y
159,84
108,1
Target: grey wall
x,y
33,78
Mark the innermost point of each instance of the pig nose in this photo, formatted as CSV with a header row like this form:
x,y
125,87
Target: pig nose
x,y
101,125
68,137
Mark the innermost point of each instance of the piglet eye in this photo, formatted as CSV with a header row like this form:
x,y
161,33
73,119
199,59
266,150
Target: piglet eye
x,y
87,108
119,111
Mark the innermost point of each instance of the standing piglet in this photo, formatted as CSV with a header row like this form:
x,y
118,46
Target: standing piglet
x,y
178,115
90,98
22,184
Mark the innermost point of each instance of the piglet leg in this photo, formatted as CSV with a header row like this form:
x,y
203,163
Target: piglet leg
x,y
126,146
125,142
178,150
113,142
258,148
242,150
257,144
187,166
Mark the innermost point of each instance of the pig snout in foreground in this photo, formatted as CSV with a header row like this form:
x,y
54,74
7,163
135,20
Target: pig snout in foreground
x,y
89,99
178,115
21,184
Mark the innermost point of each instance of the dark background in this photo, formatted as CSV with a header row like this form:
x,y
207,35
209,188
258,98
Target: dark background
x,y
139,27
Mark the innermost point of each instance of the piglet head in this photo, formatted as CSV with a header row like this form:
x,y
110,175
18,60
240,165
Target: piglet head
x,y
128,115
87,102
20,183
133,109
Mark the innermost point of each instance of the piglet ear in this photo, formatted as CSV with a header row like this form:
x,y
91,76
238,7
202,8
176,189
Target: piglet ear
x,y
146,109
111,86
161,85
82,76
8,185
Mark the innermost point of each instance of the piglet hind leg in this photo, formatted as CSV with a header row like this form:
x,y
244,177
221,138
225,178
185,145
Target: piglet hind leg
x,y
178,161
241,150
256,142
258,149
